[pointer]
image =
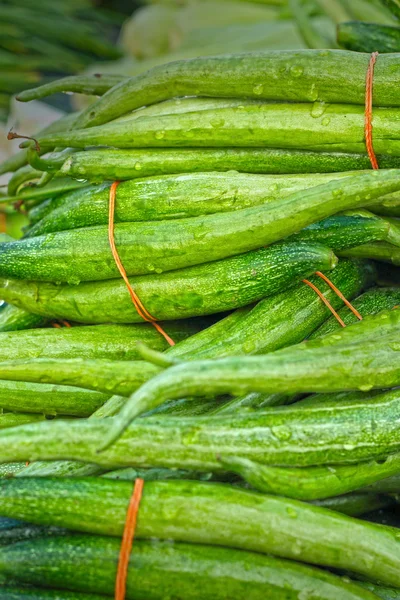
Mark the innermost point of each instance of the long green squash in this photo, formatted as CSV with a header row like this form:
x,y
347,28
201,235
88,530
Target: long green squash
x,y
318,127
171,197
199,290
368,37
158,569
381,251
288,436
302,76
115,342
49,399
309,367
9,592
202,512
108,164
85,255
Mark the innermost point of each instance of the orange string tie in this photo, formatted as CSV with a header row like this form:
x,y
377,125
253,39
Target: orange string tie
x,y
142,311
369,82
325,301
127,540
339,293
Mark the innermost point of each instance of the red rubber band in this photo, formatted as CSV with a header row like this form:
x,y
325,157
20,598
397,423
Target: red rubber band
x,y
339,293
127,540
369,81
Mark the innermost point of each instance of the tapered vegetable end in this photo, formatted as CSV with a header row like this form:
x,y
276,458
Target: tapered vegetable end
x,y
118,426
155,357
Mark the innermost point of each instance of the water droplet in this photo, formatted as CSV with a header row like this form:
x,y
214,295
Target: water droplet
x,y
158,270
248,347
159,135
296,70
73,281
150,267
331,469
318,109
324,53
217,122
291,512
138,166
189,133
258,89
313,93
326,121
297,549
348,446
366,387
281,432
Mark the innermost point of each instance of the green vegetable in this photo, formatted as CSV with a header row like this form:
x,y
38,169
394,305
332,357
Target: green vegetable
x,y
115,342
319,127
304,76
49,399
284,436
95,85
355,504
172,197
157,569
17,593
199,290
381,251
202,512
368,37
15,419
14,319
313,483
107,164
369,303
308,367
84,254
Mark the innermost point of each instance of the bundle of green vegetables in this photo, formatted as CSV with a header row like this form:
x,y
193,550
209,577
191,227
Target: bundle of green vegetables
x,y
268,434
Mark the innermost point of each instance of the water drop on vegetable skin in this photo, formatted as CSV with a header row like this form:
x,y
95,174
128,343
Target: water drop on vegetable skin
x,y
326,121
296,70
318,109
138,166
159,135
281,433
291,512
258,89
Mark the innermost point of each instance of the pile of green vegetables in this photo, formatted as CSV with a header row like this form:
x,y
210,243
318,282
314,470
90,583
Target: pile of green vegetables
x,y
268,435
41,39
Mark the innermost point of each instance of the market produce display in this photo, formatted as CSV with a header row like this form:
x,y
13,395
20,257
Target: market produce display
x,y
200,320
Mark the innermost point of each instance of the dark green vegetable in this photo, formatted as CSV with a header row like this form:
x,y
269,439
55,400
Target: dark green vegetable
x,y
93,85
15,319
202,512
355,504
381,592
17,593
368,37
108,164
158,570
85,255
199,290
285,436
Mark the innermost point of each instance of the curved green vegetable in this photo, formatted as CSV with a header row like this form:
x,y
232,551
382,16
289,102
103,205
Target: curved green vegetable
x,y
381,251
302,76
368,37
356,504
308,367
202,513
84,254
8,592
158,569
313,483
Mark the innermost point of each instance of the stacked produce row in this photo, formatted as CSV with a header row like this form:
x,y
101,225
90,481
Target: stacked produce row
x,y
265,428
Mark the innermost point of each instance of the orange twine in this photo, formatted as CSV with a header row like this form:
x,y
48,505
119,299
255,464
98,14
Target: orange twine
x,y
368,110
146,316
127,540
